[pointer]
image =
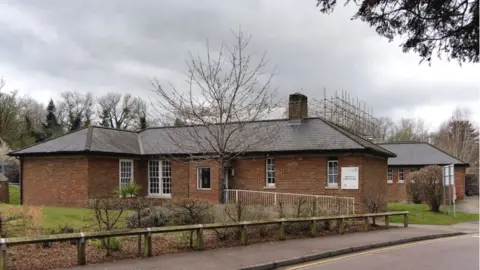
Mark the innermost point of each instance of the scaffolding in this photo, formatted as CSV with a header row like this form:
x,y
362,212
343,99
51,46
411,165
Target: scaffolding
x,y
347,112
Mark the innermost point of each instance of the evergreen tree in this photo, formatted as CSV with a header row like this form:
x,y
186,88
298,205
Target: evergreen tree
x,y
51,127
105,118
178,122
75,122
143,122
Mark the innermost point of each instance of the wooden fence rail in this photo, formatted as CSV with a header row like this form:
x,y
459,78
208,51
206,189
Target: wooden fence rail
x,y
81,237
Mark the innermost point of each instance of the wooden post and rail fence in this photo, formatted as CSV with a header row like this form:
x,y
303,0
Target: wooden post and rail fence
x,y
81,237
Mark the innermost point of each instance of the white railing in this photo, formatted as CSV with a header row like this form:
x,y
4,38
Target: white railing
x,y
327,205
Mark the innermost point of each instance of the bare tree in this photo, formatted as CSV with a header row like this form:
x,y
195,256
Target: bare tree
x,y
33,110
458,136
8,114
410,130
385,129
76,109
122,112
4,150
228,90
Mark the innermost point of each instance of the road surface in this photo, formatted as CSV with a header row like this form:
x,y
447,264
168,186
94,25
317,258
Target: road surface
x,y
460,252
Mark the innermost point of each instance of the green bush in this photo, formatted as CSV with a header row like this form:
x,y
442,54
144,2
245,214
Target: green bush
x,y
110,244
129,190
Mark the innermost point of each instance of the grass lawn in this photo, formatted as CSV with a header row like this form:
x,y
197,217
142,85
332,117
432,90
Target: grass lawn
x,y
54,217
420,214
14,195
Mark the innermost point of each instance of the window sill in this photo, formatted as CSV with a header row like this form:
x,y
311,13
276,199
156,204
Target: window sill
x,y
401,182
332,187
154,196
204,189
269,187
390,182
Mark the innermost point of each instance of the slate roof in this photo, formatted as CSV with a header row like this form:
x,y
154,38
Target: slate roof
x,y
312,134
414,153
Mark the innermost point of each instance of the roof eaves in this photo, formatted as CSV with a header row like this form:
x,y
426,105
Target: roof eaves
x,y
353,138
461,161
15,153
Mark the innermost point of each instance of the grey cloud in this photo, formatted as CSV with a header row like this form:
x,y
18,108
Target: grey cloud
x,y
96,39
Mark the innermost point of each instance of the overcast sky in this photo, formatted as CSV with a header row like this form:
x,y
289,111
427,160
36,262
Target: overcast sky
x,y
47,47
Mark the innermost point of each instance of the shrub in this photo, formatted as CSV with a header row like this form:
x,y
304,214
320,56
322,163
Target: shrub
x,y
471,184
192,211
374,198
236,212
20,220
129,190
109,244
150,217
107,212
430,182
414,187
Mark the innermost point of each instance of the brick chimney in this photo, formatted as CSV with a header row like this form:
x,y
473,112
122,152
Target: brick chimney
x,y
297,107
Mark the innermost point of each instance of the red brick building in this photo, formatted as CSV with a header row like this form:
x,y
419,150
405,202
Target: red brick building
x,y
412,156
308,156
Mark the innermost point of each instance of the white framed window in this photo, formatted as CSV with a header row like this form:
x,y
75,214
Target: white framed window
x,y
203,178
270,172
390,176
159,178
126,172
400,176
332,173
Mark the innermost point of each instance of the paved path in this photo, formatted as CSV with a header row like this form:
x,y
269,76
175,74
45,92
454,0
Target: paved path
x,y
238,257
469,204
466,227
460,252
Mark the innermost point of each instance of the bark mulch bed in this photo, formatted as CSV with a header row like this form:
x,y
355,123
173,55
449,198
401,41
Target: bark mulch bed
x,y
64,254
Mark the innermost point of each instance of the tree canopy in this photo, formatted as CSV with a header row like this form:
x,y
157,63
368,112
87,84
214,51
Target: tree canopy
x,y
447,28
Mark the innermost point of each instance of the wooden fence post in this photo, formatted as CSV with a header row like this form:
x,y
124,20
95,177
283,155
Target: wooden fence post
x,y
3,255
199,240
313,228
282,231
81,250
366,225
387,222
341,226
147,244
405,220
244,234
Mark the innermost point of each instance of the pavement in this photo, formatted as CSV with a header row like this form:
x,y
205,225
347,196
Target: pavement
x,y
469,204
265,253
465,227
460,252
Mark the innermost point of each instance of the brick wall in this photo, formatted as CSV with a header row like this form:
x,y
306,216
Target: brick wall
x,y
180,177
212,194
97,177
104,176
460,182
398,192
375,178
55,181
308,174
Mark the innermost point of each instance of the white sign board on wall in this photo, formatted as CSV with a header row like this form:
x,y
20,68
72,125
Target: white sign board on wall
x,y
349,178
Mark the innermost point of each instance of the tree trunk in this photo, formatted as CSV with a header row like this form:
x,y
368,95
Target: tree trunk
x,y
222,180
